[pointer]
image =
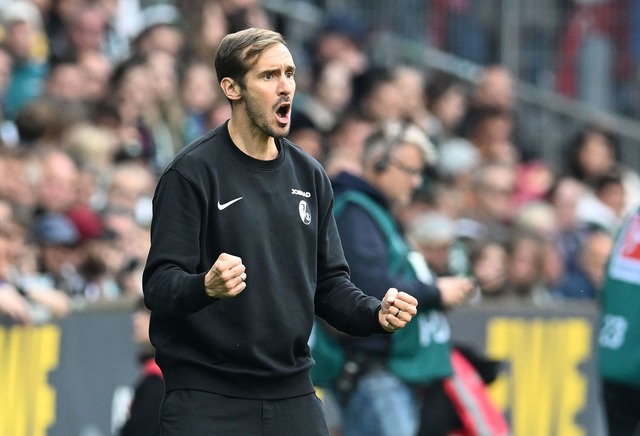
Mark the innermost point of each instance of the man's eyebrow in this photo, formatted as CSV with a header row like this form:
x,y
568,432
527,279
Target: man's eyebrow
x,y
278,69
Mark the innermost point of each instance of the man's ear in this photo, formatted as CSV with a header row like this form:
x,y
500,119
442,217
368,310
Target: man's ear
x,y
230,88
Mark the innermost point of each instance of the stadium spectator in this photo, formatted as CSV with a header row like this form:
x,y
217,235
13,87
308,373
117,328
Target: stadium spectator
x,y
132,94
434,235
163,36
345,144
585,281
60,255
307,136
130,189
96,69
488,265
165,113
593,152
57,188
411,84
20,170
539,217
377,96
563,197
8,130
26,41
382,398
21,298
85,30
198,95
491,212
204,29
604,203
330,94
457,160
446,101
525,268
65,81
494,87
490,129
342,38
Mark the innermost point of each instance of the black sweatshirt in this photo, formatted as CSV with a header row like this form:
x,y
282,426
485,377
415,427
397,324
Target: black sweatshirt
x,y
277,216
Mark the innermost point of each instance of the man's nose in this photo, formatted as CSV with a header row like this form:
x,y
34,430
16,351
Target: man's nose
x,y
286,85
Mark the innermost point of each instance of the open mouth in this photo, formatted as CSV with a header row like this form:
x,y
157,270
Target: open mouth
x,y
283,113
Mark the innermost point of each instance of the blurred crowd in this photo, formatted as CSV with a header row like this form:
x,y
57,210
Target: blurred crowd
x,y
97,96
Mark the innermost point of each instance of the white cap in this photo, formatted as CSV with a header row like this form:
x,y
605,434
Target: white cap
x,y
21,11
433,228
457,155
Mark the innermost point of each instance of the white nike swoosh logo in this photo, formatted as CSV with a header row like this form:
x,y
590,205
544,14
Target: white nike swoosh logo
x,y
228,203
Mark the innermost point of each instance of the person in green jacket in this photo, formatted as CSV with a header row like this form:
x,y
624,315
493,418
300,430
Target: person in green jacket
x,y
379,256
619,338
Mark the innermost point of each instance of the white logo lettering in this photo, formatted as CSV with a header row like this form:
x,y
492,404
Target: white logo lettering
x,y
433,327
301,193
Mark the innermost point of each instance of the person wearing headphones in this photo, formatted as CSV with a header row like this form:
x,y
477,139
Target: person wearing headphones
x,y
381,399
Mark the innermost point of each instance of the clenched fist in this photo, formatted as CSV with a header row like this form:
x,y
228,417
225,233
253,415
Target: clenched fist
x,y
226,278
398,308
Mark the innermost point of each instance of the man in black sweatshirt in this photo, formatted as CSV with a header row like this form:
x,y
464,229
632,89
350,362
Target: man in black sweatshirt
x,y
244,251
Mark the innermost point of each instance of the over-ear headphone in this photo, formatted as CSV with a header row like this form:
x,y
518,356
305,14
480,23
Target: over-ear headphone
x,y
390,141
383,163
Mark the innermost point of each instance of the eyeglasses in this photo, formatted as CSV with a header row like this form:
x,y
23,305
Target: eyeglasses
x,y
409,171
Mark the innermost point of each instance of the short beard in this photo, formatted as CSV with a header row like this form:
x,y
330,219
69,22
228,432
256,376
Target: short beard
x,y
259,118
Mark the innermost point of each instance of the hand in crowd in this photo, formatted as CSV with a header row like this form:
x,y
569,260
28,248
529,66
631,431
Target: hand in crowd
x,y
398,308
14,305
57,302
455,290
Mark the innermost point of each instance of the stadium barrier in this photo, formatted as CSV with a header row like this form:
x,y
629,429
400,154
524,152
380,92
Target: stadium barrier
x,y
75,376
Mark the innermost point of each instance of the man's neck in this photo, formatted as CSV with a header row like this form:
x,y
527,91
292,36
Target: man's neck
x,y
251,140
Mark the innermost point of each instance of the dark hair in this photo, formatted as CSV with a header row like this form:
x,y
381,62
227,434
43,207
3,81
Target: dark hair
x,y
120,71
574,167
238,51
522,233
612,177
368,82
438,85
478,114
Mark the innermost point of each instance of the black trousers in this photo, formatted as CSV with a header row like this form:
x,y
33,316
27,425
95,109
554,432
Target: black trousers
x,y
198,413
622,406
438,416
